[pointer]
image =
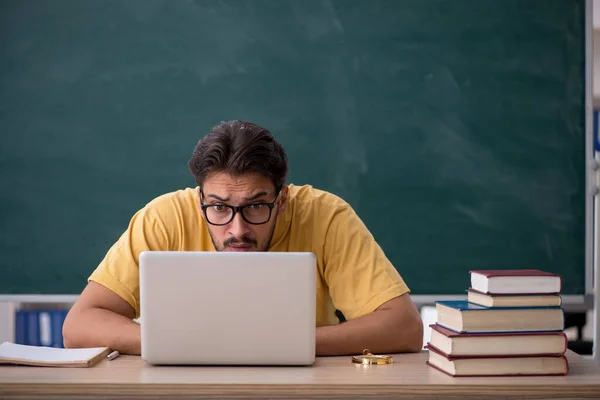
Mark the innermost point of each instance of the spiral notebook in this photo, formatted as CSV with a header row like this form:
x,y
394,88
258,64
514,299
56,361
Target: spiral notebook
x,y
11,353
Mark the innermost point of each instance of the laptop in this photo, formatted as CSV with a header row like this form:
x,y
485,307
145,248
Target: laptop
x,y
222,308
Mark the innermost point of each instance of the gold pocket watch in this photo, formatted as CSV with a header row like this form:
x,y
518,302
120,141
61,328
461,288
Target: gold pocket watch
x,y
368,358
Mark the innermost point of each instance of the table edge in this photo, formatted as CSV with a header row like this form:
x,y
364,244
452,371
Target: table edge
x,y
112,389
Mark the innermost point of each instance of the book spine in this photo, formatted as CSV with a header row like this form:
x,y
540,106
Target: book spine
x,y
20,327
33,329
58,319
45,328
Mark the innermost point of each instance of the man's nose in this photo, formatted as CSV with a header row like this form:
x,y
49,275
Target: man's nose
x,y
238,227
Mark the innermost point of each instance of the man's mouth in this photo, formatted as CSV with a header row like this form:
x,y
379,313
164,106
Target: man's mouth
x,y
239,247
239,244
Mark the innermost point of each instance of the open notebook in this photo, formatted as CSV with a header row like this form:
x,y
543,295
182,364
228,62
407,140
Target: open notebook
x,y
11,353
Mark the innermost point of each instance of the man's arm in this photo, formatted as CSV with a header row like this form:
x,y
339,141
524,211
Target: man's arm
x,y
101,318
394,327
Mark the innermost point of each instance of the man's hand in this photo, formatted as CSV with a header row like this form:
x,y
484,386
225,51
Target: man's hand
x,y
394,327
101,318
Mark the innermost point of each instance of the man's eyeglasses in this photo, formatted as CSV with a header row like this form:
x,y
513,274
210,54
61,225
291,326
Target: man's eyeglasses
x,y
254,213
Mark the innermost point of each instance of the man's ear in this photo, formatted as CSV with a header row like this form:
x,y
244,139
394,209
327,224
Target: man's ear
x,y
199,191
283,199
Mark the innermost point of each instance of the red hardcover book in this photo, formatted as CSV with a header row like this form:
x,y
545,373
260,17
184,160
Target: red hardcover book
x,y
514,300
515,281
451,343
498,365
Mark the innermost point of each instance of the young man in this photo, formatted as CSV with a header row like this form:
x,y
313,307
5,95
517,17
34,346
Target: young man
x,y
241,203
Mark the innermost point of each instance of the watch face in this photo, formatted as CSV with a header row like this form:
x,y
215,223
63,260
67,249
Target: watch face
x,y
369,358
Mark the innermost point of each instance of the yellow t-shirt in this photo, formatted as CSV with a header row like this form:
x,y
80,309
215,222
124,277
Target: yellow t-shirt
x,y
354,276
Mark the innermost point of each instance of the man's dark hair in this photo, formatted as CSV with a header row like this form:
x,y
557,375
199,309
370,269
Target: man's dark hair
x,y
239,147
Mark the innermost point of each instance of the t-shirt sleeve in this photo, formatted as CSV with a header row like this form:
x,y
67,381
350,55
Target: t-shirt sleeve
x,y
359,275
119,270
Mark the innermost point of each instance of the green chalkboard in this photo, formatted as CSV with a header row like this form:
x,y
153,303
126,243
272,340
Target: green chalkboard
x,y
455,128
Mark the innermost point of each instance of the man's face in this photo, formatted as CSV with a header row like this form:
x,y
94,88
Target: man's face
x,y
221,189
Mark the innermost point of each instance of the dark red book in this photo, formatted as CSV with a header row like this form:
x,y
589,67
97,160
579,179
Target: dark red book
x,y
454,344
515,281
514,300
497,365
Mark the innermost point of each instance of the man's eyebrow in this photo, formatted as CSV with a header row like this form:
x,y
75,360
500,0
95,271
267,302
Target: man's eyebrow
x,y
214,196
224,199
255,196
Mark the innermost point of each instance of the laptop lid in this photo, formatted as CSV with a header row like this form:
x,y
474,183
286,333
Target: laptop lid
x,y
254,308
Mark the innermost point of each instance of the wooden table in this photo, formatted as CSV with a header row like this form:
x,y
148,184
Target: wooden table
x,y
332,377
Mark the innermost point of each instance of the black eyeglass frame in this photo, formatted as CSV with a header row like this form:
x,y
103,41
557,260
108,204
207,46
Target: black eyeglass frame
x,y
240,209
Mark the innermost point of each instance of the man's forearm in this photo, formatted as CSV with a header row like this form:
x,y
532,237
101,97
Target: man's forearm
x,y
374,332
97,327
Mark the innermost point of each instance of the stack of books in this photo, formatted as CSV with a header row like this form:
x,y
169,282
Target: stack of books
x,y
511,324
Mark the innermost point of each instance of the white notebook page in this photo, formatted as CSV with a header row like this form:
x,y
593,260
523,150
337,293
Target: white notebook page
x,y
47,354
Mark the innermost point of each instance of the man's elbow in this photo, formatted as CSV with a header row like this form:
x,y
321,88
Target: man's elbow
x,y
412,340
416,343
71,332
68,343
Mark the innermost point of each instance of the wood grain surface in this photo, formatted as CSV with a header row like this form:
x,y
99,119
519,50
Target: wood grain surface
x,y
330,377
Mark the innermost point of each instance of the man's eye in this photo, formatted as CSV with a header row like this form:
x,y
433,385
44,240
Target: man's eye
x,y
256,206
219,207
